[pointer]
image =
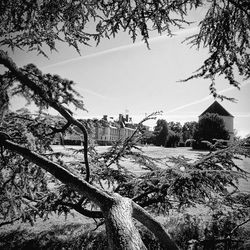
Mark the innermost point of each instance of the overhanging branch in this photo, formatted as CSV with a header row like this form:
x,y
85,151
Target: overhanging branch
x,y
92,193
8,63
59,130
154,226
83,211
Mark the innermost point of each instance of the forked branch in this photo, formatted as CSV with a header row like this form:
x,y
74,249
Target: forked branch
x,y
99,197
26,81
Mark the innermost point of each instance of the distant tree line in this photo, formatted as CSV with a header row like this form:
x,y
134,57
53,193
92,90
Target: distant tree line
x,y
199,134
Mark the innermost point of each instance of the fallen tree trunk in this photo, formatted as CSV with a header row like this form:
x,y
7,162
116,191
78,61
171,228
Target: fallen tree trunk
x,y
117,211
121,231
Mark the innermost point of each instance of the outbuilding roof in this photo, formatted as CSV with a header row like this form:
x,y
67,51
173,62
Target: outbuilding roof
x,y
216,108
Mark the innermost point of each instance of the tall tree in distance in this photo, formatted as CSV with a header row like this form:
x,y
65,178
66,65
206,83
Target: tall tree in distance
x,y
175,134
160,133
188,130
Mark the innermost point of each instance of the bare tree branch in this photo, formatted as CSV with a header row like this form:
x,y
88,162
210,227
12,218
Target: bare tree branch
x,y
83,211
59,130
10,221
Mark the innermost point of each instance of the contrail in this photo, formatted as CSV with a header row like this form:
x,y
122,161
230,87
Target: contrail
x,y
204,98
93,93
189,104
124,47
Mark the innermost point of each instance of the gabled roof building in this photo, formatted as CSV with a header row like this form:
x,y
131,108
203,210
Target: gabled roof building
x,y
216,108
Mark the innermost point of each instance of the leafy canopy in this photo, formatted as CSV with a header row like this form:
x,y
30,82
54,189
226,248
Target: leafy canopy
x,y
26,190
224,29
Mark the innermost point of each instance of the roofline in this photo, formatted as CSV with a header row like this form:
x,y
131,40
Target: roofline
x,y
217,114
215,102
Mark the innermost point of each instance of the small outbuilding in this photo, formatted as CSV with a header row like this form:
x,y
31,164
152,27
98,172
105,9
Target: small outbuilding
x,y
228,119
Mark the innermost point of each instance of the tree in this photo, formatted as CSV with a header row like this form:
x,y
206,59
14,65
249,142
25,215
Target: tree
x,y
209,128
225,32
175,134
33,25
175,127
25,138
172,139
160,133
188,130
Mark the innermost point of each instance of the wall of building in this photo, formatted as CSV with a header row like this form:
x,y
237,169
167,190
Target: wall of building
x,y
108,134
105,133
229,125
126,132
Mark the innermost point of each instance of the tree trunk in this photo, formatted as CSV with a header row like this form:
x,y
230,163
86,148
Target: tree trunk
x,y
121,231
117,210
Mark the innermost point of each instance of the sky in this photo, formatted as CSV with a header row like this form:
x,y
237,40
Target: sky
x,y
120,76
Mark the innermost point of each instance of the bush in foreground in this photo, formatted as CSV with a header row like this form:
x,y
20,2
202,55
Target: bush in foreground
x,y
183,228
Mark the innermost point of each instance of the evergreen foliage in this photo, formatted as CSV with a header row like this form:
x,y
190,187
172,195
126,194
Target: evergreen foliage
x,y
225,32
35,181
33,25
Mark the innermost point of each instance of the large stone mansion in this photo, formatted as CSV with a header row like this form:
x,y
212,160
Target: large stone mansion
x,y
111,132
104,131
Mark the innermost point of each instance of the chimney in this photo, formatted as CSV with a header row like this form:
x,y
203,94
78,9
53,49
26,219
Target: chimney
x,y
127,118
120,118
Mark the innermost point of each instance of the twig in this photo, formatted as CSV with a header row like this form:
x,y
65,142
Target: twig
x,y
9,222
241,224
58,130
83,211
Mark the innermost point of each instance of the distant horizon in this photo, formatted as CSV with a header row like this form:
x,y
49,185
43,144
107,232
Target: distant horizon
x,y
171,117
